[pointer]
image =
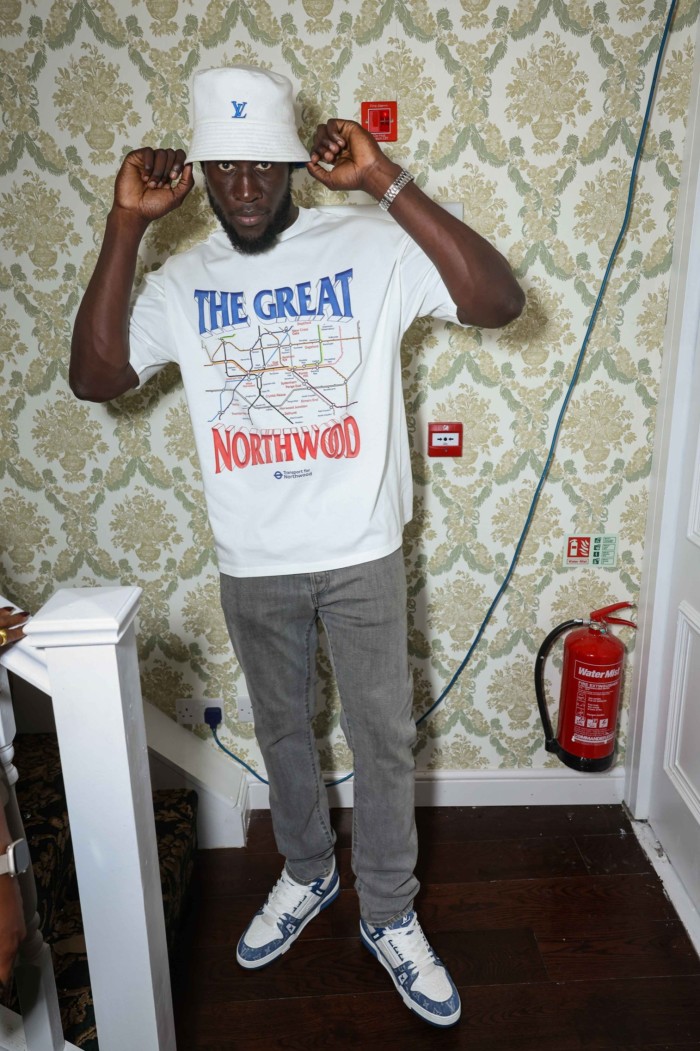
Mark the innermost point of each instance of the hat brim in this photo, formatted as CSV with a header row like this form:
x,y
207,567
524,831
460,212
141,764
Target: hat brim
x,y
219,141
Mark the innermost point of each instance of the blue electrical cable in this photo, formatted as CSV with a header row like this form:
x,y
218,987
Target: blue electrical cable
x,y
238,758
562,412
576,372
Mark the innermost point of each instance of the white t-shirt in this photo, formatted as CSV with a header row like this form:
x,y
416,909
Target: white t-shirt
x,y
291,367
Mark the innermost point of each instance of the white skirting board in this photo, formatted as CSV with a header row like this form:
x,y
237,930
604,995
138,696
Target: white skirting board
x,y
180,759
675,891
12,1033
488,788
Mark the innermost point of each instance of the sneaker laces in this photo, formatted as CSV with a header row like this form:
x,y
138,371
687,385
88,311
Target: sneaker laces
x,y
285,897
411,945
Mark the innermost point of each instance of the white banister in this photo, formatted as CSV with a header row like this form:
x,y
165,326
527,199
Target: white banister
x,y
88,638
12,1036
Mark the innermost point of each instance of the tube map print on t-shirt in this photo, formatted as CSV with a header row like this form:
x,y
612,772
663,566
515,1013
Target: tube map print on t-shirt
x,y
281,369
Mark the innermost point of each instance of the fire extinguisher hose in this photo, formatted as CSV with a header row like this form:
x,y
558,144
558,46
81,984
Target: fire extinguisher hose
x,y
550,741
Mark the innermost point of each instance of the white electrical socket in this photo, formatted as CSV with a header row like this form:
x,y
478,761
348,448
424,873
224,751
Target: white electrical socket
x,y
245,708
455,208
190,712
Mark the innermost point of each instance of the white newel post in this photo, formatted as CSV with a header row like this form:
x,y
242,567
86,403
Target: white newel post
x,y
88,635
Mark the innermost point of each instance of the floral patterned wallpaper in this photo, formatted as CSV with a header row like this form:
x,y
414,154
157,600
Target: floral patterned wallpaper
x,y
528,115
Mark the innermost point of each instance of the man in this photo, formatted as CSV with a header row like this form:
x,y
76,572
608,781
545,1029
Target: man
x,y
287,325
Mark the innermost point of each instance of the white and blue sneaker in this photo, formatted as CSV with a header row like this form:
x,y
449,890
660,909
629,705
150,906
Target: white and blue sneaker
x,y
289,907
420,977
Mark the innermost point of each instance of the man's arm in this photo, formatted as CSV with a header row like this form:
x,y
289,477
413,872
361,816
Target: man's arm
x,y
477,276
150,184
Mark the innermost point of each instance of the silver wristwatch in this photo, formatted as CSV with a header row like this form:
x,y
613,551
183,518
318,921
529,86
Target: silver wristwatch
x,y
15,859
403,179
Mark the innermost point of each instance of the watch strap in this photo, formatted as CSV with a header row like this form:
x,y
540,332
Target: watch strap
x,y
15,859
402,179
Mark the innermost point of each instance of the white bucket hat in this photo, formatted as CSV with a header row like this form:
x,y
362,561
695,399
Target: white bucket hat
x,y
244,114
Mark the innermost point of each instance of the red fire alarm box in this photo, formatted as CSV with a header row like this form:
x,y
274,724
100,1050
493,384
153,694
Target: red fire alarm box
x,y
444,439
379,119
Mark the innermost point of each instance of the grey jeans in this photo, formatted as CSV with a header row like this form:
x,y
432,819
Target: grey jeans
x,y
273,623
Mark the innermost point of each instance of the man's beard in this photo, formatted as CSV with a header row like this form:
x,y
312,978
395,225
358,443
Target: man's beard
x,y
269,237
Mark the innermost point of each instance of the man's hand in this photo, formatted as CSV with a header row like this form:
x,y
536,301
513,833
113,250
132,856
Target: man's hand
x,y
11,621
357,161
477,276
151,183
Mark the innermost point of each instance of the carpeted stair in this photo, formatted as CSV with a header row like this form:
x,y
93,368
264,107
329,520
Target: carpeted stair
x,y
43,806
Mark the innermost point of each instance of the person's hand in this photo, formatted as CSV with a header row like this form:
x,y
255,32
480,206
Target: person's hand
x,y
151,183
12,927
11,622
357,161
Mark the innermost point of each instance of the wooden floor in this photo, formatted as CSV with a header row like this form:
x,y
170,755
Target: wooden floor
x,y
554,926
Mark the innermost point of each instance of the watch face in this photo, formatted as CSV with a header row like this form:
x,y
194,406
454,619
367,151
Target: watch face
x,y
20,856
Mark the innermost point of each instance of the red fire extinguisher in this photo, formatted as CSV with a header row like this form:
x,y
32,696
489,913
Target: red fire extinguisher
x,y
590,691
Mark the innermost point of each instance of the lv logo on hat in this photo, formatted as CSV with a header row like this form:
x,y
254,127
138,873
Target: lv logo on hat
x,y
239,110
